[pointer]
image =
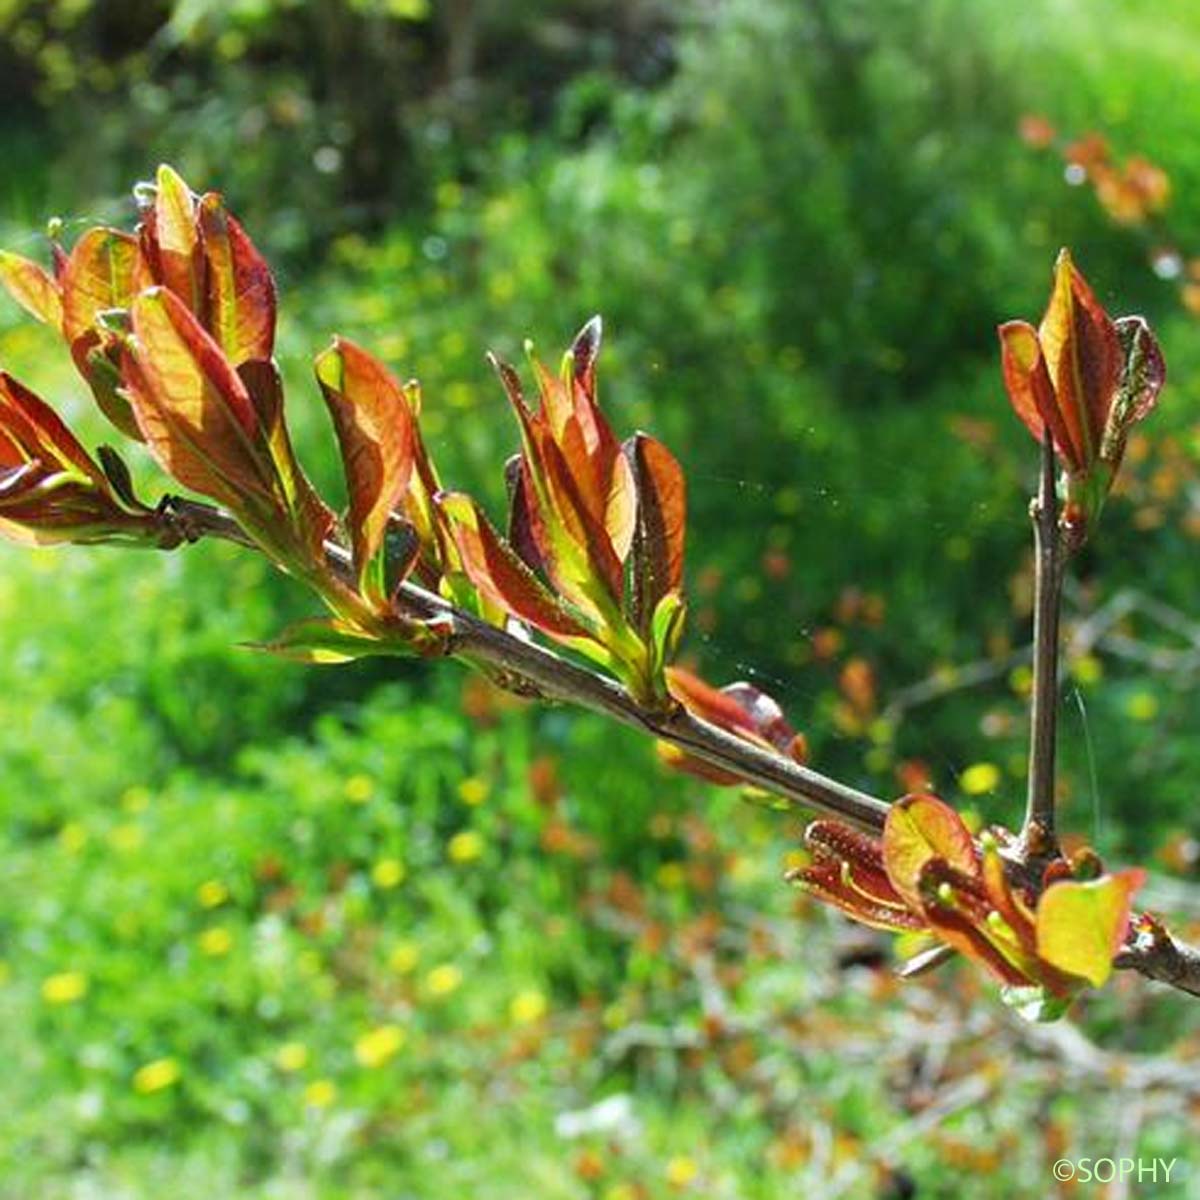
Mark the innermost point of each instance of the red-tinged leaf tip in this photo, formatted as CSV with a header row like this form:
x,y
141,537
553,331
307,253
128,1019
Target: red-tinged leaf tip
x,y
740,708
1081,926
32,287
765,714
328,641
585,349
919,829
959,931
510,380
374,426
520,518
499,574
620,507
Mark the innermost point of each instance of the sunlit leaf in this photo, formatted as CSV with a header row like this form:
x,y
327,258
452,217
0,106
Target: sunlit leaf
x,y
98,277
1030,390
328,642
661,523
171,239
39,433
311,517
192,407
1083,356
32,287
374,426
921,828
496,570
240,299
1081,926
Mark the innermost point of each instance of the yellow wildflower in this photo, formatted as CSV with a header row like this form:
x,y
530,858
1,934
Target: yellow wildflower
x,y
125,839
136,799
404,957
527,1007
291,1056
65,987
671,875
979,778
473,790
359,789
443,980
377,1046
321,1093
465,847
72,837
681,1171
387,873
212,893
216,942
155,1076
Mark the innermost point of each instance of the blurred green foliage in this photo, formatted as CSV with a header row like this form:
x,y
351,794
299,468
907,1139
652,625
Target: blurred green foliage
x,y
801,223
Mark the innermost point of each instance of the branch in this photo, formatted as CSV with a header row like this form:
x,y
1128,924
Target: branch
x,y
1038,835
1159,956
547,675
555,678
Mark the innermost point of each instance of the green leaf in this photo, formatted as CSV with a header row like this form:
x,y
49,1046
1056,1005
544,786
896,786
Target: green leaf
x,y
329,642
1081,926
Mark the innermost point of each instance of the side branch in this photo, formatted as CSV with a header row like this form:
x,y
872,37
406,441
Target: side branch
x,y
1159,956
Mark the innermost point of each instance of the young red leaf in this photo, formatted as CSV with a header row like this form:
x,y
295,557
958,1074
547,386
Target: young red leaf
x,y
29,422
1081,926
962,933
661,523
240,291
98,276
170,239
1029,388
858,854
1083,356
311,517
499,574
374,426
192,408
832,884
32,287
51,491
738,708
919,829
